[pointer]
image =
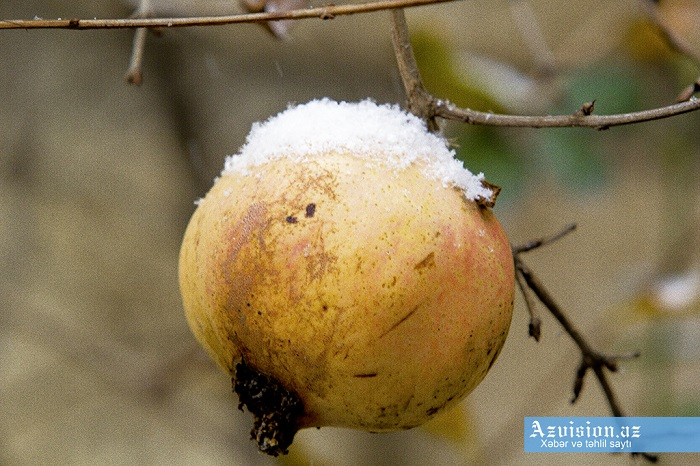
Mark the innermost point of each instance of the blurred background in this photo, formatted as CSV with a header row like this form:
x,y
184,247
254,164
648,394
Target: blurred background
x,y
98,179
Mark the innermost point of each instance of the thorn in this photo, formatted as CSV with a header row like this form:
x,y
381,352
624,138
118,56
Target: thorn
x,y
586,109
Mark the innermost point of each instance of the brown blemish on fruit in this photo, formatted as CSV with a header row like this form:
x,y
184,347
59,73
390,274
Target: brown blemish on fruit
x,y
322,181
428,261
291,219
391,284
318,260
310,210
249,228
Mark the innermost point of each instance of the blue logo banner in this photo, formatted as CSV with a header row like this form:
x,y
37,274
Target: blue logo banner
x,y
612,434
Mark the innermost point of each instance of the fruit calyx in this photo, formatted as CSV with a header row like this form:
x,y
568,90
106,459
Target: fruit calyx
x,y
275,409
488,201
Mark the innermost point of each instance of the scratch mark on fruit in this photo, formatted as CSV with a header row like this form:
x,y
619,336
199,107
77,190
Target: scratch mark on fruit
x,y
366,376
428,261
401,321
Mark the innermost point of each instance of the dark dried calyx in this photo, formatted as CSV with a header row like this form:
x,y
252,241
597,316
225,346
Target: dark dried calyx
x,y
275,409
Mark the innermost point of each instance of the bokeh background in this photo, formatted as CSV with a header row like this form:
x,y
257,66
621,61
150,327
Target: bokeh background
x,y
98,180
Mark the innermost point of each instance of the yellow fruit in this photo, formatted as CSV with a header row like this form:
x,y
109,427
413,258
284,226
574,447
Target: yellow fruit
x,y
344,271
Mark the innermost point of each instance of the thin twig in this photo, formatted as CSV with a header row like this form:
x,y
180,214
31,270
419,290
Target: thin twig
x,y
439,108
534,328
134,74
543,295
590,358
534,244
448,111
329,11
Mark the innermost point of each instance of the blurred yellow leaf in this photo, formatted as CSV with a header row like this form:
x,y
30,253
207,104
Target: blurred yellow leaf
x,y
645,43
682,18
669,27
299,456
452,425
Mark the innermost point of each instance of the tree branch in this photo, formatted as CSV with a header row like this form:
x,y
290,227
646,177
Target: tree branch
x,y
536,243
590,358
419,101
134,74
579,119
426,106
329,11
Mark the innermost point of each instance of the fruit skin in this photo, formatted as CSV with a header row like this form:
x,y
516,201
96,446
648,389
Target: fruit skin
x,y
378,296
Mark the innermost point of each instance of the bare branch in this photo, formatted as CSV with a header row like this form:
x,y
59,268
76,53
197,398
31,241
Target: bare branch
x,y
419,101
405,58
535,326
134,74
426,106
325,12
534,244
543,295
590,358
579,119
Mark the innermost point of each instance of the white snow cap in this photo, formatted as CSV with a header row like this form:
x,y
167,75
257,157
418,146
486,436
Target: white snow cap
x,y
379,133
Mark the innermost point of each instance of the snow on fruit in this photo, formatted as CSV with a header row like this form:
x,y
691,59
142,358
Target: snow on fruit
x,y
346,270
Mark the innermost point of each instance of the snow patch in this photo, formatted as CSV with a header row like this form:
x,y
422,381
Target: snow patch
x,y
381,134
